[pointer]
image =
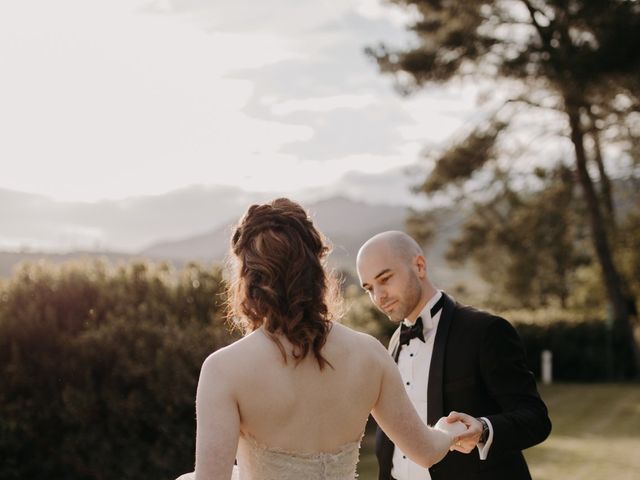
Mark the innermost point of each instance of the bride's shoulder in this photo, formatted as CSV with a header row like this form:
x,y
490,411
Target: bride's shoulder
x,y
226,358
363,341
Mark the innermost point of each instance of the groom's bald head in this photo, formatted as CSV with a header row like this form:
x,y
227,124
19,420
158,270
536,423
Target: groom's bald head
x,y
395,243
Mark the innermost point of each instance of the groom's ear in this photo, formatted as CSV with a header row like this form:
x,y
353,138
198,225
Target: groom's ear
x,y
420,264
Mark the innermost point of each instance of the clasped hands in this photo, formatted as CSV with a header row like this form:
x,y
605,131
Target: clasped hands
x,y
465,429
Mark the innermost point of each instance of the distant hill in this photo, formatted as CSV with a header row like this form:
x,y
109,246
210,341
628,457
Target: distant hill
x,y
346,223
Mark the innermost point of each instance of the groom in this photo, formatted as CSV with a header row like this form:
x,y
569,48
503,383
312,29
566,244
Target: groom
x,y
452,358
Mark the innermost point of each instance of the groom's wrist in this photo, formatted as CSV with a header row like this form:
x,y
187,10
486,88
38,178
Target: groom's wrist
x,y
484,436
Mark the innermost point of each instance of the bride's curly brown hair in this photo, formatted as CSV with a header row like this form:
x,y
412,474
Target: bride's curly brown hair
x,y
279,278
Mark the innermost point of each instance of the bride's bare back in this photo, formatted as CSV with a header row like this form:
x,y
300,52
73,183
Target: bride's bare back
x,y
300,407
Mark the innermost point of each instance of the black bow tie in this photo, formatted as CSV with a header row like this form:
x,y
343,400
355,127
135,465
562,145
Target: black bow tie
x,y
414,331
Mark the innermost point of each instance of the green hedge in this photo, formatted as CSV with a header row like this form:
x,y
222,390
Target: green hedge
x,y
98,369
582,351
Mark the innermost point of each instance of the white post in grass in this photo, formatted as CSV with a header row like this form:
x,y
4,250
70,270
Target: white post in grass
x,y
547,370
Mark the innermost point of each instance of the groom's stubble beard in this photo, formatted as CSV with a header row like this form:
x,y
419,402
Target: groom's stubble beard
x,y
408,301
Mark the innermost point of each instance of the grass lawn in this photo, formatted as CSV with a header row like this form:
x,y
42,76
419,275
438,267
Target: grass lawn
x,y
596,435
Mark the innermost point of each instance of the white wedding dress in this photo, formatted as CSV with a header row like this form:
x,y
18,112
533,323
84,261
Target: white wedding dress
x,y
261,462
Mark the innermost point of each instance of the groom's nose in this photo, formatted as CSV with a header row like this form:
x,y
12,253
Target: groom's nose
x,y
379,294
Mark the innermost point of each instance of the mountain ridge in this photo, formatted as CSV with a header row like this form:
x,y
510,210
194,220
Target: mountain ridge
x,y
346,223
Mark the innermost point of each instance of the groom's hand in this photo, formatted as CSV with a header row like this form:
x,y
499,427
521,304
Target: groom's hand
x,y
467,441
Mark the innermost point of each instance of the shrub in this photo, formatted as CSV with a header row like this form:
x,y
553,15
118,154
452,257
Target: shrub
x,y
98,369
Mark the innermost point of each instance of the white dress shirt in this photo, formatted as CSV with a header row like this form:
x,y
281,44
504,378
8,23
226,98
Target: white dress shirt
x,y
414,362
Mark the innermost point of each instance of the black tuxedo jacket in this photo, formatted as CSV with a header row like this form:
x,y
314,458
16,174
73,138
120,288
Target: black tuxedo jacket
x,y
478,367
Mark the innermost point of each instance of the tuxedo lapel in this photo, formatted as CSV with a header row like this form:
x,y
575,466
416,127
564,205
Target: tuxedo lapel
x,y
395,353
394,345
435,400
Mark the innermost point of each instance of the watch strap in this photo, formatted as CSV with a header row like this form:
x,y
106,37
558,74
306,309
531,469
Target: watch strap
x,y
484,436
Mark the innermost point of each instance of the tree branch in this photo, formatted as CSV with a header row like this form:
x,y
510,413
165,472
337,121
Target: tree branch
x,y
530,103
544,35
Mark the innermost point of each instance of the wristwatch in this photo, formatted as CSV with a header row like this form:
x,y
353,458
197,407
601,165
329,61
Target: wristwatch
x,y
484,436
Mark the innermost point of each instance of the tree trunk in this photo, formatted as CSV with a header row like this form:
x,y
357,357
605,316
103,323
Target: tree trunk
x,y
605,183
611,278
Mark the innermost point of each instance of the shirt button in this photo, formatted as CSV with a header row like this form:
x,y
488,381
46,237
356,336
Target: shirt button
x,y
408,383
404,456
411,354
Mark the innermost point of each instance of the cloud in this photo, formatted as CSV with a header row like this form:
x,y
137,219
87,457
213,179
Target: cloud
x,y
344,132
328,85
390,187
322,104
283,16
348,106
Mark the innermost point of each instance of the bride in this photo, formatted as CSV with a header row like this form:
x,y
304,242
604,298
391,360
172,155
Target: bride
x,y
290,400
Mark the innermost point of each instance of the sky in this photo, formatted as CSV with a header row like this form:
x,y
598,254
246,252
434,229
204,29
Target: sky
x,y
107,106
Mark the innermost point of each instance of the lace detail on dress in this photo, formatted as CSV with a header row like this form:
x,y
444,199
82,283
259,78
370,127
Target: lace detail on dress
x,y
261,462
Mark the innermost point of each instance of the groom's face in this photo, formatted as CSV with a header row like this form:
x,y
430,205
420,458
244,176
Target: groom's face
x,y
391,283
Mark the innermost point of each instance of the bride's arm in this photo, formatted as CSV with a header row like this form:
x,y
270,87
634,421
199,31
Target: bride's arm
x,y
218,422
397,417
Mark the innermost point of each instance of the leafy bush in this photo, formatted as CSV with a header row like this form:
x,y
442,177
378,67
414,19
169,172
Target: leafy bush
x,y
98,369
